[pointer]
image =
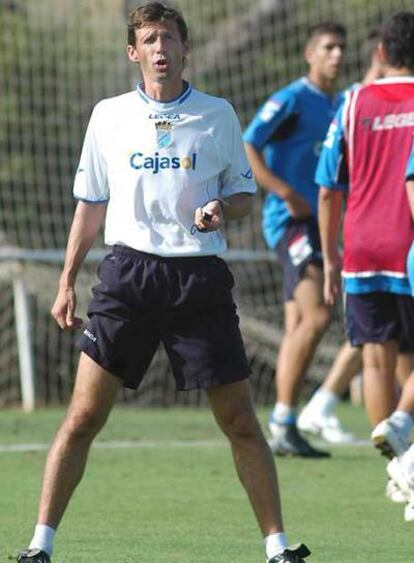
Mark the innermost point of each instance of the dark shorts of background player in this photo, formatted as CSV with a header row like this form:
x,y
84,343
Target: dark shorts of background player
x,y
299,246
185,303
380,317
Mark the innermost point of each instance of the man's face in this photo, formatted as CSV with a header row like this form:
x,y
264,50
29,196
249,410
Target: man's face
x,y
325,55
159,50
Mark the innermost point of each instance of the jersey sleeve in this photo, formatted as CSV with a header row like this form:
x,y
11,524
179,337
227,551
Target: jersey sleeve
x,y
332,171
410,166
237,176
91,183
275,112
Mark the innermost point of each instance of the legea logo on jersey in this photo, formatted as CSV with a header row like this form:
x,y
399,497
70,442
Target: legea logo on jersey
x,y
166,115
393,121
155,163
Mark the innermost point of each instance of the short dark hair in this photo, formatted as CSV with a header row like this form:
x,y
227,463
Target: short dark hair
x,y
325,28
397,36
370,44
154,12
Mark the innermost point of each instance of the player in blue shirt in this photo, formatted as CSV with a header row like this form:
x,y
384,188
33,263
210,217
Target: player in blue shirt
x,y
283,143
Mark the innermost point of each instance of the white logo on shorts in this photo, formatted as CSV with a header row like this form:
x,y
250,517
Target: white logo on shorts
x,y
88,333
300,249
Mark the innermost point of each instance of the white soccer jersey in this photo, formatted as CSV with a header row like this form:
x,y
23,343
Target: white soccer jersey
x,y
155,163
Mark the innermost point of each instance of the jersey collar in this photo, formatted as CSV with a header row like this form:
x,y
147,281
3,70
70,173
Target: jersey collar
x,y
395,80
165,105
315,89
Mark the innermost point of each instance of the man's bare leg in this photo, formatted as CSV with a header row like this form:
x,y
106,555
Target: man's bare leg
x,y
405,366
348,362
304,329
233,409
93,397
380,391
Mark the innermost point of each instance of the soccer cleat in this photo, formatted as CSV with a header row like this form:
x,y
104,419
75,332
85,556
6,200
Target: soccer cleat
x,y
327,427
286,441
394,493
398,473
33,556
409,509
293,554
389,439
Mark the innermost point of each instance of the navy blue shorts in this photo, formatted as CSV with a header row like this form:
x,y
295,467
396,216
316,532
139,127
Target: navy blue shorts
x,y
380,317
185,303
299,246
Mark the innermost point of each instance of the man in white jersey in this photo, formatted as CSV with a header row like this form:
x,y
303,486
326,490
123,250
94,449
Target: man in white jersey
x,y
165,164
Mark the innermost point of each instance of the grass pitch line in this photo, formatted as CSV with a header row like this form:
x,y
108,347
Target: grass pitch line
x,y
144,444
156,444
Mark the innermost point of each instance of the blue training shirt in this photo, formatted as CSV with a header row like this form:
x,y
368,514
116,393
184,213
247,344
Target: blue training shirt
x,y
290,129
410,259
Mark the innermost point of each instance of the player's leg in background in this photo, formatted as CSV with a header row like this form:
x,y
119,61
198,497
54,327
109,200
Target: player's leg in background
x,y
93,397
312,320
318,416
307,318
404,368
380,390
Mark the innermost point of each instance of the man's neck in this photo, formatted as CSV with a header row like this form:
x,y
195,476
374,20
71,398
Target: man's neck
x,y
390,72
326,85
164,91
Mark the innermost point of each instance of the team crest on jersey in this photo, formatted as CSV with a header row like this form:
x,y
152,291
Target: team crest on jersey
x,y
164,133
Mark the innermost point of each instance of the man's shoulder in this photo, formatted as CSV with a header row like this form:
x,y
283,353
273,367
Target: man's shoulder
x,y
291,90
209,101
397,87
115,103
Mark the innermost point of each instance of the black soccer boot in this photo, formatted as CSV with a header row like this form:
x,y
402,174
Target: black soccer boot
x,y
33,556
293,554
287,441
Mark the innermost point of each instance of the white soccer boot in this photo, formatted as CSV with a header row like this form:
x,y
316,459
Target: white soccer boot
x,y
389,439
399,471
394,493
326,427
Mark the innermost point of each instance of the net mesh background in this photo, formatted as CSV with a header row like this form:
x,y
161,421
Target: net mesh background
x,y
57,59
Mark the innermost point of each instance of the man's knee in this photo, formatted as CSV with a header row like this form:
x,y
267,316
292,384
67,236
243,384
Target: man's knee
x,y
317,320
82,425
241,425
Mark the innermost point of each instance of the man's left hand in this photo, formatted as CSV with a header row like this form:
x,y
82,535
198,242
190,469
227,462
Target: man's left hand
x,y
210,217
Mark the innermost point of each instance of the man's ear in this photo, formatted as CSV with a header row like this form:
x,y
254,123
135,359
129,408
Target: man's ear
x,y
382,53
187,47
308,53
132,54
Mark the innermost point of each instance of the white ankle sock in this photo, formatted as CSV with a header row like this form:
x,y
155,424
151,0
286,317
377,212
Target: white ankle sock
x,y
403,421
284,414
323,402
274,544
43,538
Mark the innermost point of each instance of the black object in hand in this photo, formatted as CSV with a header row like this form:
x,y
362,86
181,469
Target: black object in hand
x,y
207,216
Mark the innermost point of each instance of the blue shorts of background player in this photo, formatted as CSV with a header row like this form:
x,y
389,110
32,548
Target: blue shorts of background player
x,y
299,246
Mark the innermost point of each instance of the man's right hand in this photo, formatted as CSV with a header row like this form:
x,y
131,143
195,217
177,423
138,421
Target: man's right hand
x,y
332,281
63,310
297,205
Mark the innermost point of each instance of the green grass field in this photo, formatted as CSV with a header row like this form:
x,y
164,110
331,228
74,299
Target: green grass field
x,y
173,495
